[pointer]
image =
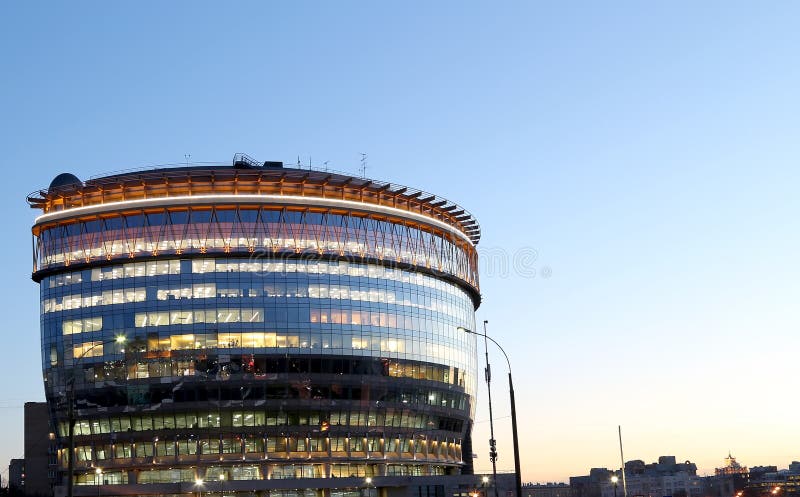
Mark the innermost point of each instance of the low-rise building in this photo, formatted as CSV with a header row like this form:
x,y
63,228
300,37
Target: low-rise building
x,y
546,490
665,478
16,475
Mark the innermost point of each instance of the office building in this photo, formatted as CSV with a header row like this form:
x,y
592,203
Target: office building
x,y
252,329
41,469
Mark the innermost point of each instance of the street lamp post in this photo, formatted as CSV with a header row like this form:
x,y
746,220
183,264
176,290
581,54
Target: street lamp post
x,y
198,483
71,412
615,480
99,477
515,437
492,441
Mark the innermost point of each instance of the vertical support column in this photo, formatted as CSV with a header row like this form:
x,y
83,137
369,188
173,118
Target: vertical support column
x,y
384,466
328,469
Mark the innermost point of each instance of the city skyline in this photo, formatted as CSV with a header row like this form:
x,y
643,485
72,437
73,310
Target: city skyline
x,y
632,167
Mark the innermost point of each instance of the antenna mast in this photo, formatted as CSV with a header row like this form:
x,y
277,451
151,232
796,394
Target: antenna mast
x,y
622,459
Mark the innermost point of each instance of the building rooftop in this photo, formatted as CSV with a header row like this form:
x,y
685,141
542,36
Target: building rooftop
x,y
246,176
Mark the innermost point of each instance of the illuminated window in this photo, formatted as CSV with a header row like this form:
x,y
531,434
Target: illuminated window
x,y
88,349
82,325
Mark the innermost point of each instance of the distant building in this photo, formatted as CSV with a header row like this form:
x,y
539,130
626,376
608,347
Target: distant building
x,y
589,485
16,475
40,451
758,472
776,484
728,480
664,478
731,467
677,484
546,490
478,485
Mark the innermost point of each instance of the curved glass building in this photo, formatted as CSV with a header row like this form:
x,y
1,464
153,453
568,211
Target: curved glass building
x,y
286,331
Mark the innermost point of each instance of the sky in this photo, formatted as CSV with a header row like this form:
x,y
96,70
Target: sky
x,y
633,166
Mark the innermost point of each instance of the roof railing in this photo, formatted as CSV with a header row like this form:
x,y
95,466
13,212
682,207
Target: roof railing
x,y
245,160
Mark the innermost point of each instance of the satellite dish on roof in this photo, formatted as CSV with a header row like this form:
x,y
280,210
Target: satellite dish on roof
x,y
64,180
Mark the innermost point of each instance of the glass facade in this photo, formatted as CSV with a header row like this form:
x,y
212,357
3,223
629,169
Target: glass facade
x,y
260,343
202,230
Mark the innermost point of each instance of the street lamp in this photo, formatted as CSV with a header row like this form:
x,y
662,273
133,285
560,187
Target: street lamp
x,y
198,482
367,490
99,477
493,451
488,375
614,480
121,339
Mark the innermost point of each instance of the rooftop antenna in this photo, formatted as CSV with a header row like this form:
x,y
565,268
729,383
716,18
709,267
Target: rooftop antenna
x,y
299,165
187,157
363,168
325,165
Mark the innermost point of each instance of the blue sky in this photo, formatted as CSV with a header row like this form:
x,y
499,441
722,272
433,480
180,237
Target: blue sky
x,y
645,151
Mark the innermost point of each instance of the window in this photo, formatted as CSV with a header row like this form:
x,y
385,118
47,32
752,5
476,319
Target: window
x,y
87,349
231,446
165,448
144,449
187,447
143,319
123,451
166,475
82,325
204,265
254,444
209,446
